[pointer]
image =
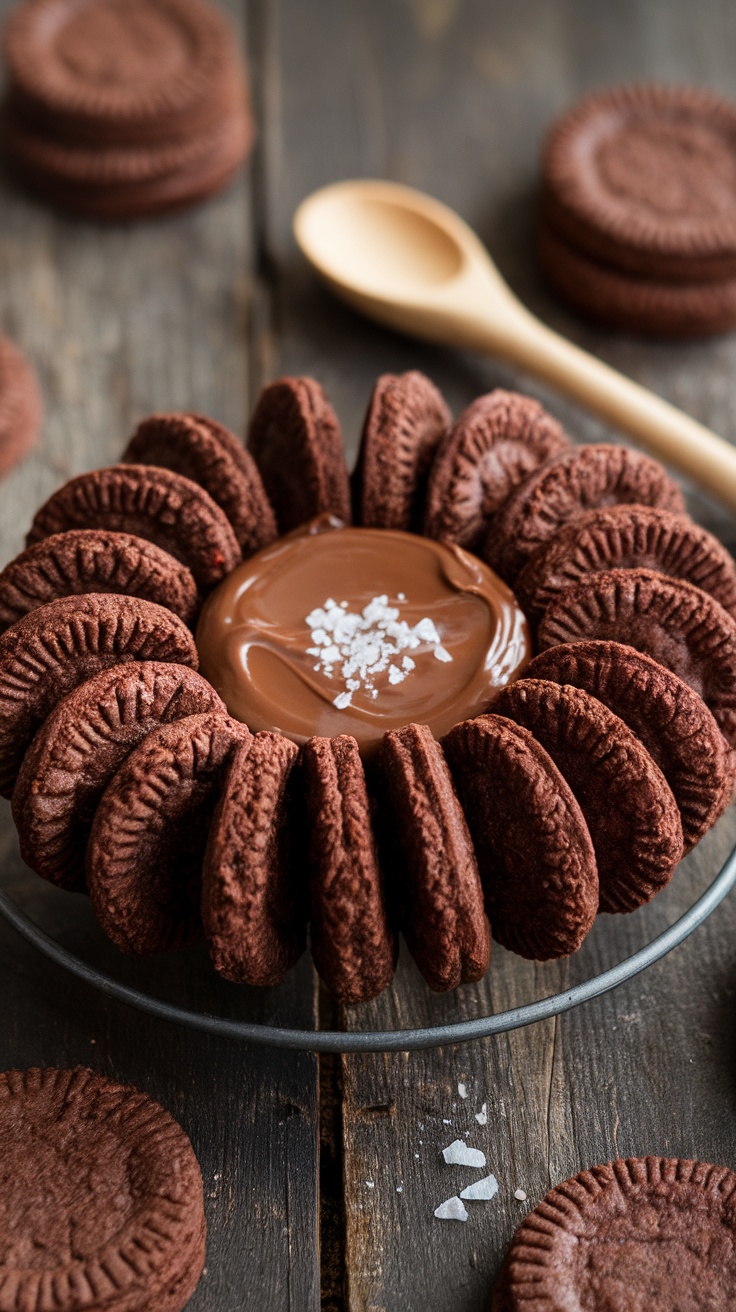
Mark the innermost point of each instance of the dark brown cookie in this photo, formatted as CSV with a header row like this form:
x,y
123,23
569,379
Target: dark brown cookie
x,y
295,439
442,915
534,850
628,303
353,944
102,1200
53,649
209,454
652,1233
583,479
628,806
671,720
627,537
148,838
253,909
164,507
81,746
675,623
95,560
494,445
20,406
644,178
407,418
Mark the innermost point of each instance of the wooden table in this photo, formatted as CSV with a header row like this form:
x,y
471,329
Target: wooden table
x,y
322,1176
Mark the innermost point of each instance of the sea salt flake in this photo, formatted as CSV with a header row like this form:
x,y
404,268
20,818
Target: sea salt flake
x,y
395,675
462,1089
461,1154
482,1116
342,700
482,1190
370,1184
520,1195
442,655
451,1210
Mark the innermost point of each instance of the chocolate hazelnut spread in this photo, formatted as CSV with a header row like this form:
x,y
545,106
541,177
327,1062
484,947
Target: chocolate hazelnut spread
x,y
351,630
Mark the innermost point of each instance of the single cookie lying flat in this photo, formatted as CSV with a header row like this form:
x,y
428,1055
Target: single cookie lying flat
x,y
407,418
534,850
628,806
442,915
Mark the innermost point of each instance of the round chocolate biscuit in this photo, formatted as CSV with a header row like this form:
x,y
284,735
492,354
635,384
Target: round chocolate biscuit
x,y
406,420
166,508
149,834
654,1233
585,478
669,718
631,304
254,913
644,178
20,406
82,745
442,915
676,624
102,1200
535,853
206,452
627,803
627,537
494,445
95,560
50,651
295,439
353,944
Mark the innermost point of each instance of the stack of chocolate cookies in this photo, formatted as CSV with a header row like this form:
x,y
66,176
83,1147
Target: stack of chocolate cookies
x,y
118,109
638,212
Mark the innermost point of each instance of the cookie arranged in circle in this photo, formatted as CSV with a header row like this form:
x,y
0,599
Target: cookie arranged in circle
x,y
495,444
442,914
534,849
148,838
82,745
102,1201
669,718
628,806
253,908
627,537
353,944
676,624
406,420
51,650
20,406
647,1232
585,478
295,439
95,560
166,508
209,454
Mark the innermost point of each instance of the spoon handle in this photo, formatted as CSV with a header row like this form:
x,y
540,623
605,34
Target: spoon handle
x,y
660,427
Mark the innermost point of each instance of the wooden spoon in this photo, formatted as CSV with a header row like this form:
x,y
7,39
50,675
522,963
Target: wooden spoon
x,y
407,260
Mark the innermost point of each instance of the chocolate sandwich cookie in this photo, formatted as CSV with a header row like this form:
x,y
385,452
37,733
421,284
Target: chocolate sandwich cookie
x,y
295,439
534,850
102,1200
148,837
494,445
627,537
582,479
676,624
209,454
166,508
95,560
406,420
81,746
50,651
20,406
648,1232
627,803
442,915
353,944
253,908
669,718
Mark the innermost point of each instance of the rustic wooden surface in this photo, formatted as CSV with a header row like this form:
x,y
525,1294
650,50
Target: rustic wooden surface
x,y
451,96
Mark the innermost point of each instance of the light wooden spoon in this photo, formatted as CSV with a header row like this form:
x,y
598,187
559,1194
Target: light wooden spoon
x,y
407,260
